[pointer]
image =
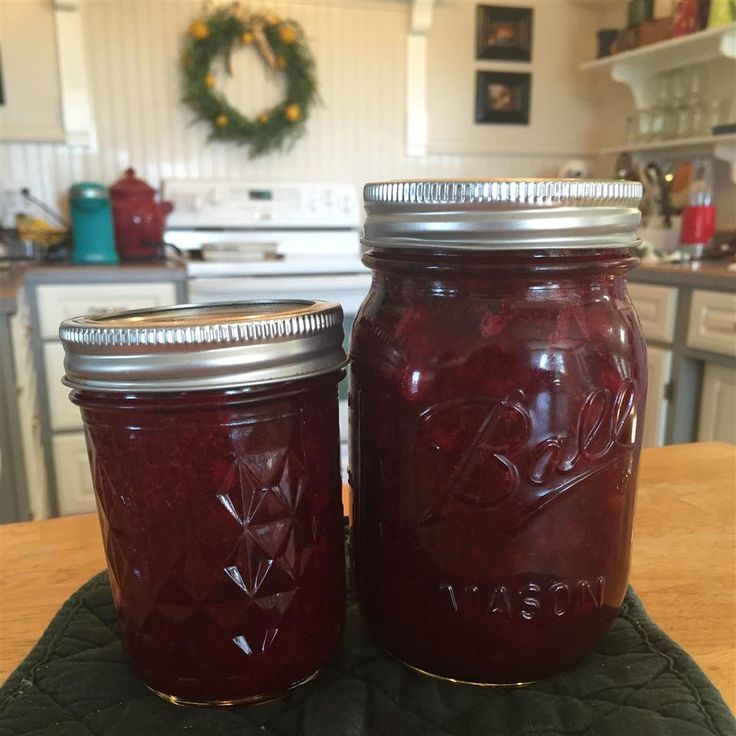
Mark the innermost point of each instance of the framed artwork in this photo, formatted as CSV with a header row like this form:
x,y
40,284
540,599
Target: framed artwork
x,y
503,33
502,98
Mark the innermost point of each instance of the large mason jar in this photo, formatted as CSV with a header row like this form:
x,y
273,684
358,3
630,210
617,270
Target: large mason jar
x,y
214,447
497,396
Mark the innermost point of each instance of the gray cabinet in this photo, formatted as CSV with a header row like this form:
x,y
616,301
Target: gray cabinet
x,y
66,453
23,477
44,469
691,341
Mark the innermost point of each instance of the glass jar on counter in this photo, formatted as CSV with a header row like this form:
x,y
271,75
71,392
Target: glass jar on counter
x,y
214,447
498,380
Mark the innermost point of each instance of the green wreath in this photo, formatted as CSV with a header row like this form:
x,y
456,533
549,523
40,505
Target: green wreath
x,y
282,45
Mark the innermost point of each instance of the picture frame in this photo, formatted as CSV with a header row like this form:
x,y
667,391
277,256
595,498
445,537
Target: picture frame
x,y
503,33
502,98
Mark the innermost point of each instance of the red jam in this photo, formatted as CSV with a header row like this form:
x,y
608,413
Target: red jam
x,y
497,406
222,523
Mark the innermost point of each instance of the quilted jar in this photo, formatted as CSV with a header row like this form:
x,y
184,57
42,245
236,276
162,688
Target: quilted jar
x,y
214,447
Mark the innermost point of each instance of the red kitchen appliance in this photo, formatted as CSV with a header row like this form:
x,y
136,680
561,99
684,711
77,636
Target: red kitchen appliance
x,y
139,219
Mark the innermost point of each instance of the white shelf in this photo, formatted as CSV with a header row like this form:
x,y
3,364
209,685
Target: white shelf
x,y
673,53
719,146
683,144
638,69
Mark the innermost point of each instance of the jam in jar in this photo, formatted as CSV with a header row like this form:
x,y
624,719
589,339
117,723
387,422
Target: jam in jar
x,y
214,443
498,379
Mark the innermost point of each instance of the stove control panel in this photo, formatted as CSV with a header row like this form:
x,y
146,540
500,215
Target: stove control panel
x,y
237,204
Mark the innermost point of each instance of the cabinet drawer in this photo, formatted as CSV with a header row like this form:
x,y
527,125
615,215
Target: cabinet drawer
x,y
62,413
57,303
712,323
657,309
73,477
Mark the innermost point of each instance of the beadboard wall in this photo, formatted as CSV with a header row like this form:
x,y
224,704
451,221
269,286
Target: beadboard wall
x,y
357,134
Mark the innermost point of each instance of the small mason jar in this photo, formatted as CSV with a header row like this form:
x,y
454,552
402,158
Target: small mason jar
x,y
214,447
498,379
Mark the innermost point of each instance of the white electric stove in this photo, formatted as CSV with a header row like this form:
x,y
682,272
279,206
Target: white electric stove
x,y
246,240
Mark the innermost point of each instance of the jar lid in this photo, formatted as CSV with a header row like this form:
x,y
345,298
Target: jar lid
x,y
88,190
198,347
502,213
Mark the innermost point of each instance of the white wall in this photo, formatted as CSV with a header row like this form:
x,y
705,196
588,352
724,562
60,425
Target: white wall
x,y
563,119
357,135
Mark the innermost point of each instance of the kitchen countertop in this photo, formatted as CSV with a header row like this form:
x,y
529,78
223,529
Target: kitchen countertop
x,y
700,275
683,568
12,279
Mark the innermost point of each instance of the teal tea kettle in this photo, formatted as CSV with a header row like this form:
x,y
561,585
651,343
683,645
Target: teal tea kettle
x,y
92,230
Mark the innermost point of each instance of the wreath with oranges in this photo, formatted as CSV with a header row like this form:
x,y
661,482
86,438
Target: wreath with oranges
x,y
283,48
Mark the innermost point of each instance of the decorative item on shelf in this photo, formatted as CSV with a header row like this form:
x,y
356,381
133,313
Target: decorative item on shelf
x,y
606,39
626,40
654,31
283,48
504,33
502,98
686,18
638,12
721,13
139,219
663,9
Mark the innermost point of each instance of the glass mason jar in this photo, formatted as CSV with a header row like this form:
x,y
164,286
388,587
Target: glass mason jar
x,y
498,379
214,447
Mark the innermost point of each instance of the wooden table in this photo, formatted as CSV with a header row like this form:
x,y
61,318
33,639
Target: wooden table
x,y
684,560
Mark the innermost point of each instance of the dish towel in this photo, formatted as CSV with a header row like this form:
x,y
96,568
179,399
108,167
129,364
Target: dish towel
x,y
76,682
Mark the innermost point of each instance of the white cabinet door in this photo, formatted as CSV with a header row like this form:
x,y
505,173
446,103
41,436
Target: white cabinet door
x,y
718,405
73,477
659,364
712,324
62,413
657,309
57,303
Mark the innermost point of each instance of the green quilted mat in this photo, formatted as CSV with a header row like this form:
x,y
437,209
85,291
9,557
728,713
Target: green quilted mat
x,y
76,681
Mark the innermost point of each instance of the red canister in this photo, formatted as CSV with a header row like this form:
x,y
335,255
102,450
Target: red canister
x,y
139,219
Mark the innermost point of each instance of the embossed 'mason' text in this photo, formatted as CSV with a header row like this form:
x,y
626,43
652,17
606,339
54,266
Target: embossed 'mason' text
x,y
529,601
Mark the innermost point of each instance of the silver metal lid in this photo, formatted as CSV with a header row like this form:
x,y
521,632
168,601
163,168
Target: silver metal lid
x,y
502,214
197,347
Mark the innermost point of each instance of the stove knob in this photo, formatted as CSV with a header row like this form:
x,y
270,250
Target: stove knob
x,y
345,205
214,196
312,205
197,203
327,197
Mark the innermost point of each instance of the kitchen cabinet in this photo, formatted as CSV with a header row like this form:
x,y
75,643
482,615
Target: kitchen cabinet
x,y
659,365
657,310
23,479
44,71
50,472
718,408
66,453
691,345
712,324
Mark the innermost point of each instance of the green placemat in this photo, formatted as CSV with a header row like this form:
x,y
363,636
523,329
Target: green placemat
x,y
76,681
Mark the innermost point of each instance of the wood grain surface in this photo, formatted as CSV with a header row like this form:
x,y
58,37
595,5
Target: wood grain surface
x,y
684,560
